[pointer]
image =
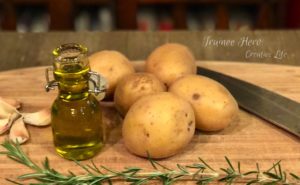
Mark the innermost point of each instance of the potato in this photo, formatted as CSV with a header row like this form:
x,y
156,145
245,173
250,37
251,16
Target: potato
x,y
113,65
134,86
171,61
161,124
214,106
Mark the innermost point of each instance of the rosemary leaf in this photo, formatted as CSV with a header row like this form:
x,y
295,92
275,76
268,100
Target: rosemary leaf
x,y
295,176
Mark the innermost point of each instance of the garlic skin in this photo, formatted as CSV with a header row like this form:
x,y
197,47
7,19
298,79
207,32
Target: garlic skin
x,y
8,114
5,123
40,118
13,102
18,132
6,109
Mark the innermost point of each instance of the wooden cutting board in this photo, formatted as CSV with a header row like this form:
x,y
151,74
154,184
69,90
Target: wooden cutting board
x,y
248,140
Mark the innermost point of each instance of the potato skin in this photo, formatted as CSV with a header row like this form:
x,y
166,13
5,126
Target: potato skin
x,y
161,124
134,86
113,65
171,61
214,106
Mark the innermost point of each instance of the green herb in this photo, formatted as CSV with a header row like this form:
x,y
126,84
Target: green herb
x,y
201,173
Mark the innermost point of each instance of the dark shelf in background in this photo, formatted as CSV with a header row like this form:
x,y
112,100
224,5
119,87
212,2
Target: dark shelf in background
x,y
92,2
62,12
244,2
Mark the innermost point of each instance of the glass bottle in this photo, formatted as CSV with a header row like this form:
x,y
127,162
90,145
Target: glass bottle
x,y
76,118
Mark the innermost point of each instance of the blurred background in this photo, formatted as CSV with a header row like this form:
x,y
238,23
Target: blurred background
x,y
148,15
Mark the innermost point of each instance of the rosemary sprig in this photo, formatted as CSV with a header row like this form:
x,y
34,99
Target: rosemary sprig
x,y
201,173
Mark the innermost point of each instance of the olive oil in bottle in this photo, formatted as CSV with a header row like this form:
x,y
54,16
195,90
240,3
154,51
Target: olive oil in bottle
x,y
76,115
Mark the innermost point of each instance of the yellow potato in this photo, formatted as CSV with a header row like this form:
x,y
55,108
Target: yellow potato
x,y
161,124
214,106
113,65
134,86
171,61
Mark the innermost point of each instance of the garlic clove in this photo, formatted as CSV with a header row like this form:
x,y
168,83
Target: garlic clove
x,y
6,123
13,102
8,114
6,109
18,132
40,118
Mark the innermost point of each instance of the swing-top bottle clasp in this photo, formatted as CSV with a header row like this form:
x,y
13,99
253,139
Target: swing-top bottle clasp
x,y
50,84
97,83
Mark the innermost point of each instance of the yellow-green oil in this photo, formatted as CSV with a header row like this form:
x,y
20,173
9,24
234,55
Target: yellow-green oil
x,y
76,115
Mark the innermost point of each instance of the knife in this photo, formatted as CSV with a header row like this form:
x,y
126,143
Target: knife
x,y
277,109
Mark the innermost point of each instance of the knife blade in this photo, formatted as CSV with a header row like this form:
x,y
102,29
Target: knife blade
x,y
277,109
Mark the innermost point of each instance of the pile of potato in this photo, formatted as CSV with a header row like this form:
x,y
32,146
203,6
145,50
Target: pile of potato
x,y
164,105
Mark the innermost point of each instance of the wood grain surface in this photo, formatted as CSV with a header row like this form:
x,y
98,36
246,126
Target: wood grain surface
x,y
21,50
248,140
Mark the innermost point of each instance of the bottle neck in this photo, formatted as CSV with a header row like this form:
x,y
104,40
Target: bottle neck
x,y
70,94
73,85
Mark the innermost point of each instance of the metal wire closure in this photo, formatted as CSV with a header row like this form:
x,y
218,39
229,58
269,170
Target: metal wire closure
x,y
97,82
50,84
